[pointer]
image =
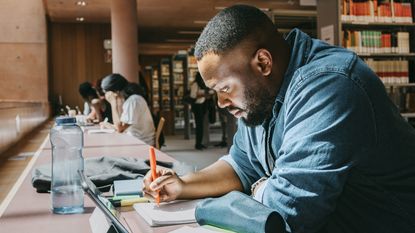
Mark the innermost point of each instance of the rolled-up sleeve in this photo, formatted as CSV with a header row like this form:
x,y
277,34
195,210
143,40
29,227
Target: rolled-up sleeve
x,y
322,139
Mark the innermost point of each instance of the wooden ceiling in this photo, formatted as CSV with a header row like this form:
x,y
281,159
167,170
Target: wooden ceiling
x,y
163,25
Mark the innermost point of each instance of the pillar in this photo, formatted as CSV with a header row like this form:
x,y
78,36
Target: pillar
x,y
124,34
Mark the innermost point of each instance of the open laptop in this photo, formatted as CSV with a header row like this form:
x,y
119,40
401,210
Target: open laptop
x,y
103,204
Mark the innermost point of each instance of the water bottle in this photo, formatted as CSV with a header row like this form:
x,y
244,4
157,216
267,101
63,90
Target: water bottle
x,y
67,195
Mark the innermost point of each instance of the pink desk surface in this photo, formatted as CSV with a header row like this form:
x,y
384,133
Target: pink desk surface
x,y
29,211
107,139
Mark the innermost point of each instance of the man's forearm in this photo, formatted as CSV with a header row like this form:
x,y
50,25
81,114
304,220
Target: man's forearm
x,y
215,180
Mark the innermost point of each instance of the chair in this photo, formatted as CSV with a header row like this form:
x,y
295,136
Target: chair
x,y
158,132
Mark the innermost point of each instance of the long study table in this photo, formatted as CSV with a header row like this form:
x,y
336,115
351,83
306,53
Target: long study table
x,y
25,210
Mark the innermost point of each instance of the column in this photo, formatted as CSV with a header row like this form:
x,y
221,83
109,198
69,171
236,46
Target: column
x,y
124,36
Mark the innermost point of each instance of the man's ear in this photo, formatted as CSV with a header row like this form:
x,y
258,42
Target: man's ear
x,y
263,60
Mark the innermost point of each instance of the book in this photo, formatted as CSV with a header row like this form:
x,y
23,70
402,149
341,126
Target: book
x,y
171,213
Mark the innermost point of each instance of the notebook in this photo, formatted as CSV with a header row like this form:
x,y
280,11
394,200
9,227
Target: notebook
x,y
177,212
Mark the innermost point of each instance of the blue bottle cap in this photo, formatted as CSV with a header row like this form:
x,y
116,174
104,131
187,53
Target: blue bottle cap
x,y
65,120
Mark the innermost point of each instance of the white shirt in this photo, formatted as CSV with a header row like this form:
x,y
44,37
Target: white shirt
x,y
194,91
137,115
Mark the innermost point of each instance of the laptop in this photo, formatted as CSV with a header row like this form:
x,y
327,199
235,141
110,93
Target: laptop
x,y
102,203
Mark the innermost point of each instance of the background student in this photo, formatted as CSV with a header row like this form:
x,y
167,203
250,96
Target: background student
x,y
200,93
130,111
95,108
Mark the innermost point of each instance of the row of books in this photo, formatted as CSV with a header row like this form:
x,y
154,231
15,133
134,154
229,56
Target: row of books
x,y
387,11
390,71
177,66
376,41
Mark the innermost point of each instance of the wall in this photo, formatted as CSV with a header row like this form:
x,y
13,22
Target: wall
x,y
23,69
76,56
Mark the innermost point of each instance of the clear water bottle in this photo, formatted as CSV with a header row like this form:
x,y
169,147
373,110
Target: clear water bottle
x,y
66,191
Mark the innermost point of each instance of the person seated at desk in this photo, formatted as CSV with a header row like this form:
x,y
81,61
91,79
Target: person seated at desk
x,y
318,141
95,108
130,112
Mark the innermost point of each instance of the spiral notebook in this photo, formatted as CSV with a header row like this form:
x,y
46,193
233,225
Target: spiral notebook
x,y
177,212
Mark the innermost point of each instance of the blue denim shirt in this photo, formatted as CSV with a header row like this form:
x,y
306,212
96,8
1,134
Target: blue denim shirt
x,y
339,156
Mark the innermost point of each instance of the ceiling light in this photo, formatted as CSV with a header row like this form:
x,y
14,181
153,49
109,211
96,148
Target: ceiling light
x,y
81,3
200,22
80,19
189,32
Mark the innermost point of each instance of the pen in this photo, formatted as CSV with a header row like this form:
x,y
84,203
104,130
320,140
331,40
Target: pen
x,y
153,169
129,202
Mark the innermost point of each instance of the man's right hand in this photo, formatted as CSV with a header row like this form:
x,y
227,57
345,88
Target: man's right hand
x,y
168,185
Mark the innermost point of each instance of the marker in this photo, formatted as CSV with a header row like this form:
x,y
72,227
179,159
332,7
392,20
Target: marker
x,y
153,170
129,202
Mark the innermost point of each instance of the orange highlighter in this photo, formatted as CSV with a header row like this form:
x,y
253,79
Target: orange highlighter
x,y
153,169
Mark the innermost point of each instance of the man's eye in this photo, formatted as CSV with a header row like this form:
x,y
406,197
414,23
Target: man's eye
x,y
224,90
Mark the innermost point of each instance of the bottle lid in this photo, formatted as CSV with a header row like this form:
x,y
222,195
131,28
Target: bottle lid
x,y
65,120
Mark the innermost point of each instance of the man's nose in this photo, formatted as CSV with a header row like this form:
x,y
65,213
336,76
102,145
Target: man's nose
x,y
223,101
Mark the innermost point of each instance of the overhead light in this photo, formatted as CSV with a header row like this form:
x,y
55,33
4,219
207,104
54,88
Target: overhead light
x,y
200,22
189,32
80,19
81,3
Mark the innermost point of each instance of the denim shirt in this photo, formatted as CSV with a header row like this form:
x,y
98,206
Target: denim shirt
x,y
339,156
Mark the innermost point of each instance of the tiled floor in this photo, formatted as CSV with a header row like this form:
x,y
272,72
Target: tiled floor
x,y
183,150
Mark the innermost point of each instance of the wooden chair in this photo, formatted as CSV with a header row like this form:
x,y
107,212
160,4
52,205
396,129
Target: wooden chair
x,y
158,132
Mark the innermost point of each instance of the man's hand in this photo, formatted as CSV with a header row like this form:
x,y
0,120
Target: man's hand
x,y
168,185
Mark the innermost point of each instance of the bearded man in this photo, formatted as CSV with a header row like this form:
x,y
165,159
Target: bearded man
x,y
319,147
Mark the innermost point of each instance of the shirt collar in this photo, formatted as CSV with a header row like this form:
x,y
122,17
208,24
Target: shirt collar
x,y
300,44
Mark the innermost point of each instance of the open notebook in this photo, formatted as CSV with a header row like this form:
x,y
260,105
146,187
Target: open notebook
x,y
177,212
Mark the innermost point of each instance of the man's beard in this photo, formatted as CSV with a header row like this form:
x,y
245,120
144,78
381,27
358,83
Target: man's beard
x,y
259,104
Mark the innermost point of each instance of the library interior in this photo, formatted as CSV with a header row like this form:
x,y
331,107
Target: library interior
x,y
141,116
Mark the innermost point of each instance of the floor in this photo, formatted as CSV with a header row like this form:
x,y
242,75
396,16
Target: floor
x,y
176,146
16,159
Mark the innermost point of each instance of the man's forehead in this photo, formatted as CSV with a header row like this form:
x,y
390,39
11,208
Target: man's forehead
x,y
208,67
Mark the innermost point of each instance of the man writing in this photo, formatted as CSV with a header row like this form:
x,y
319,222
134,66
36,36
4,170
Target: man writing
x,y
318,139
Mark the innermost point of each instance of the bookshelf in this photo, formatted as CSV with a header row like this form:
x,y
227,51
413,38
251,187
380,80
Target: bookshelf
x,y
191,69
165,84
382,33
179,79
153,92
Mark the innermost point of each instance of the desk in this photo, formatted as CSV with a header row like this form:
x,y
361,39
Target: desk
x,y
28,211
107,140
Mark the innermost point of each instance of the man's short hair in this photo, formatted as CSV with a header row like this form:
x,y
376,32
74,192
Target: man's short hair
x,y
230,27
